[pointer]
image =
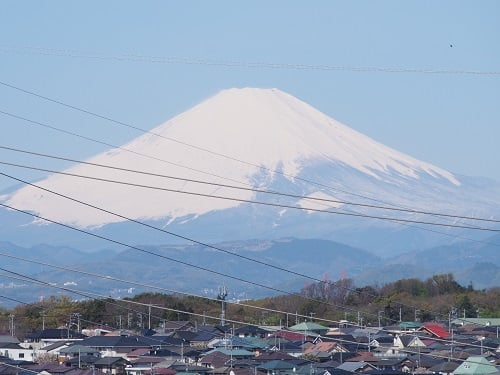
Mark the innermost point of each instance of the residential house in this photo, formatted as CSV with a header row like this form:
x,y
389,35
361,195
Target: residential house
x,y
323,350
408,341
119,346
112,365
51,336
309,329
435,330
215,359
277,367
357,367
251,331
10,348
476,366
177,325
405,365
142,364
77,350
56,369
444,367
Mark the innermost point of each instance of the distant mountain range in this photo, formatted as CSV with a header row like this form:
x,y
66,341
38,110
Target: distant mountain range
x,y
200,174
254,166
255,268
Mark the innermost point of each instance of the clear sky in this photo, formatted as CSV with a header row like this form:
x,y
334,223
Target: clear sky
x,y
420,76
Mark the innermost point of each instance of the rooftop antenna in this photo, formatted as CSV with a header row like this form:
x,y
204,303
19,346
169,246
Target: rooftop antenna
x,y
222,297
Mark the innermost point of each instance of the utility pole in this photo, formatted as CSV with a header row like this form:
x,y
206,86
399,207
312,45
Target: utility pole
x,y
12,327
129,320
77,317
149,313
149,316
222,297
139,320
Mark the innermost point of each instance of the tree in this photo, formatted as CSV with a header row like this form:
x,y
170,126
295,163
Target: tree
x,y
465,305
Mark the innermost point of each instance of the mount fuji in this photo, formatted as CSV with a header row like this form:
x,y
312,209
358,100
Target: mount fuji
x,y
257,164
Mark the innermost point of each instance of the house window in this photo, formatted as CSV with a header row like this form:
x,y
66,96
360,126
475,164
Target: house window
x,y
21,355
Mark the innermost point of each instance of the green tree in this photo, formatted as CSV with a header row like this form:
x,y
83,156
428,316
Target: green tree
x,y
466,307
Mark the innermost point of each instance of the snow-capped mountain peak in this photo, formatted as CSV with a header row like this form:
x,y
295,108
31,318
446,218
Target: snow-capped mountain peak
x,y
248,136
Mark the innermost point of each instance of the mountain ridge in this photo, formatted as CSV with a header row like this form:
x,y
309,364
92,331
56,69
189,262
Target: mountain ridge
x,y
317,259
271,141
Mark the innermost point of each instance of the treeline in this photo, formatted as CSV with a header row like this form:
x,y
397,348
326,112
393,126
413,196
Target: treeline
x,y
439,298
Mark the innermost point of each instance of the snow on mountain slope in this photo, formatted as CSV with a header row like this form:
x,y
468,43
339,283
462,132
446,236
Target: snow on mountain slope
x,y
245,137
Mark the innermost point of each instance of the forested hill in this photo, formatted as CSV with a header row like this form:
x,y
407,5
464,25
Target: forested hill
x,y
437,298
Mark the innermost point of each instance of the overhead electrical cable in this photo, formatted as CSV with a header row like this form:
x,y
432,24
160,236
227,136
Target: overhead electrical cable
x,y
107,300
109,144
179,236
241,200
13,300
189,168
155,287
236,278
117,302
226,156
163,289
172,60
93,295
177,292
255,190
306,197
212,152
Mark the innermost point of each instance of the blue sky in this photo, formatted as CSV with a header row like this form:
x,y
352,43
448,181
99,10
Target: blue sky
x,y
136,62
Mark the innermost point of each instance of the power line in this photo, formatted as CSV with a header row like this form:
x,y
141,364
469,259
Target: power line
x,y
345,202
269,204
171,60
95,296
108,144
236,278
182,166
182,237
255,190
155,287
143,131
269,192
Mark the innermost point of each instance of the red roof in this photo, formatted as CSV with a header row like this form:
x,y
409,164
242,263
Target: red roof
x,y
363,357
436,329
289,335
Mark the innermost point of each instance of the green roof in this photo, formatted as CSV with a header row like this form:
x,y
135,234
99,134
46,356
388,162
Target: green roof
x,y
475,366
234,352
409,325
308,326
